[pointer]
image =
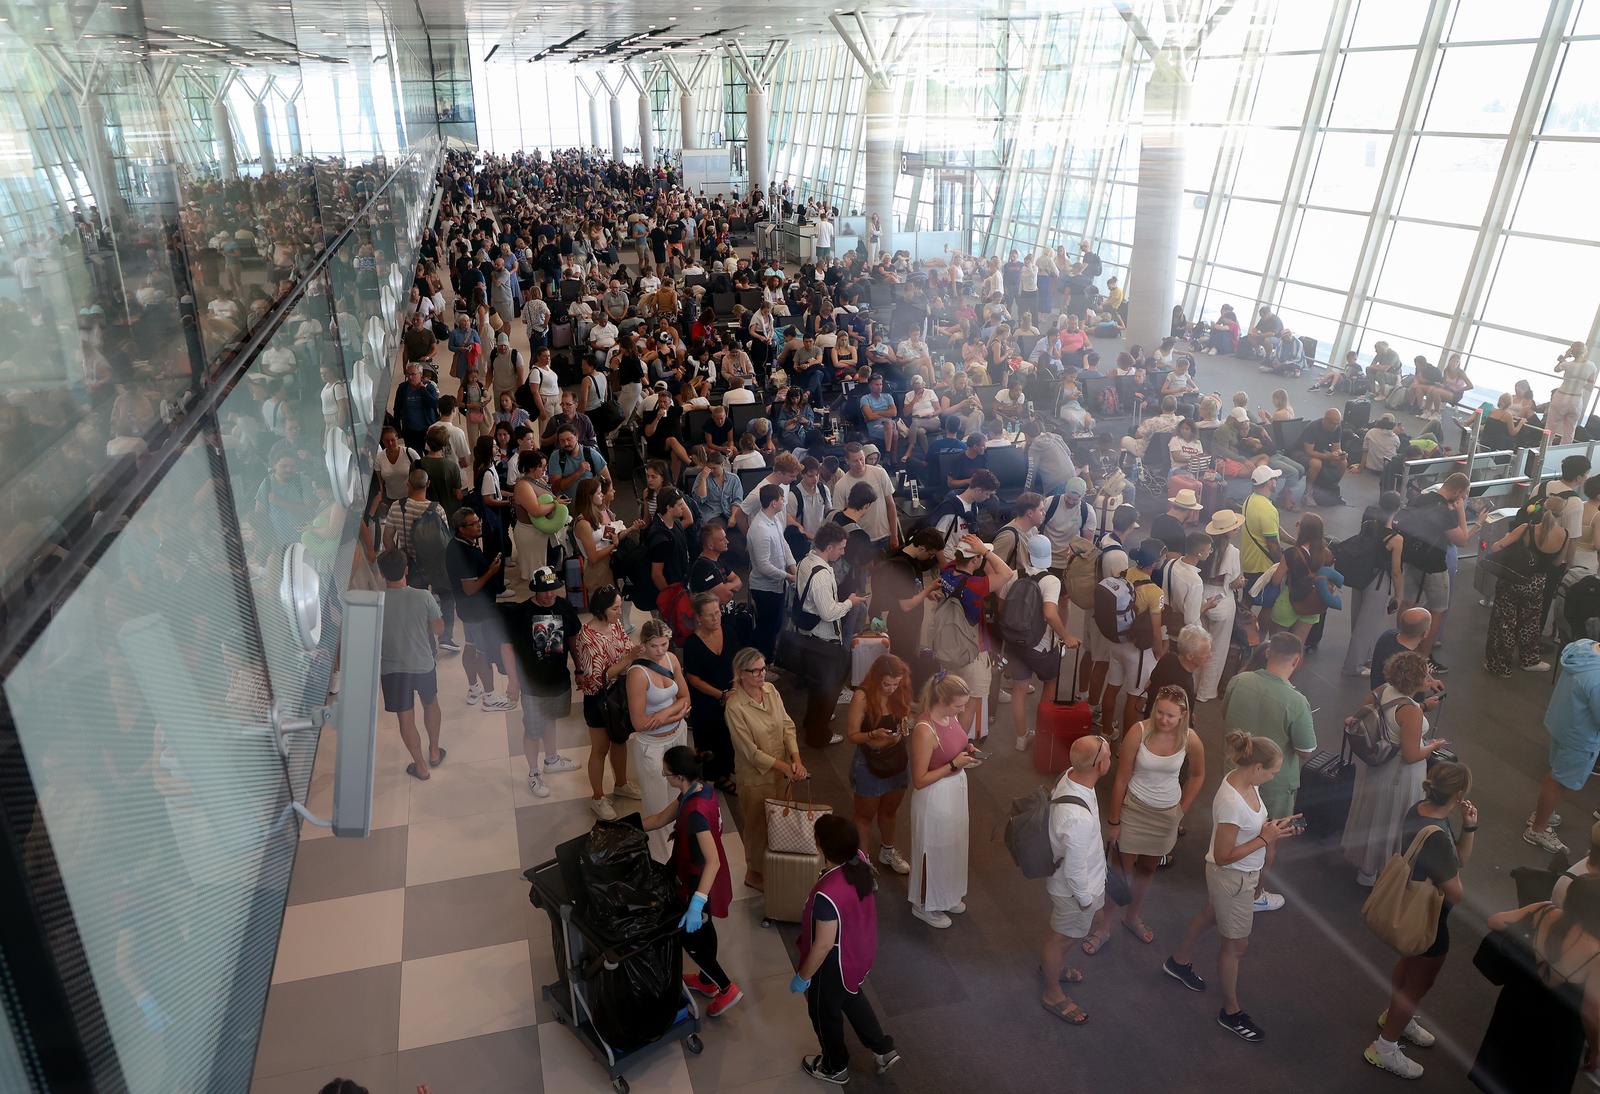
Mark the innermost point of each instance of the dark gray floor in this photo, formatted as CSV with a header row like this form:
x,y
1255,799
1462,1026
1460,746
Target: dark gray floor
x,y
962,1003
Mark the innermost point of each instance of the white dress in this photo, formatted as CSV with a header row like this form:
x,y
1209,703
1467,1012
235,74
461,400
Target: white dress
x,y
939,842
1218,623
1380,800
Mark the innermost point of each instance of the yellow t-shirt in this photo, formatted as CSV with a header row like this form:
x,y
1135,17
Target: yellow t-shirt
x,y
1260,530
1146,598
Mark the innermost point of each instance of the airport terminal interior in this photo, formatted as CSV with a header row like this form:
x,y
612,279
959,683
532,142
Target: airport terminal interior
x,y
738,547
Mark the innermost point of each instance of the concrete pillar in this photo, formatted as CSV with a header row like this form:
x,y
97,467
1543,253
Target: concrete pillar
x,y
686,117
291,122
101,168
595,139
881,167
616,128
1153,264
222,127
755,128
647,137
269,162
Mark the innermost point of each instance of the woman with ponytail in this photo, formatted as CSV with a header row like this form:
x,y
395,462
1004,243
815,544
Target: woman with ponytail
x,y
838,942
940,756
1241,833
701,867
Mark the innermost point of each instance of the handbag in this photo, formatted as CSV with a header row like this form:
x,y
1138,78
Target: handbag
x,y
890,760
1117,890
791,825
1514,564
1402,912
1502,952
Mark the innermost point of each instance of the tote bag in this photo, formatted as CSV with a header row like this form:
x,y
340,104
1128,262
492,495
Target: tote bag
x,y
791,825
1402,912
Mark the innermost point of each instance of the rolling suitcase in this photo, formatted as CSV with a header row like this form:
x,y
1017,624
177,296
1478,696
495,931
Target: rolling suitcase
x,y
789,879
1326,782
1357,414
1062,720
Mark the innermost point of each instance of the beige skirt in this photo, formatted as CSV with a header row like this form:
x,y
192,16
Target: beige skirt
x,y
1147,830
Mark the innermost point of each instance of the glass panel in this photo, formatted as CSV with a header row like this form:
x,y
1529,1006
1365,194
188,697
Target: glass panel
x,y
161,788
1575,106
1247,234
1410,333
1425,265
13,1076
1282,90
1327,247
1370,88
1264,163
1451,178
1389,22
1537,285
1557,196
1302,24
1478,88
1482,20
1312,311
1501,358
1349,166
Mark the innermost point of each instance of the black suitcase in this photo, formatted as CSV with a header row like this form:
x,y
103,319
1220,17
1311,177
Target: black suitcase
x,y
1357,414
1327,781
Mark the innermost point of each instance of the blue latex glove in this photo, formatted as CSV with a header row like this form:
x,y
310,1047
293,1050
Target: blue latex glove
x,y
799,984
695,917
155,1019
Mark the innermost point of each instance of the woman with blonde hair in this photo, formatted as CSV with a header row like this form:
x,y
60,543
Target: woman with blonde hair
x,y
1149,797
1383,792
940,757
766,753
878,723
1241,834
1517,618
658,699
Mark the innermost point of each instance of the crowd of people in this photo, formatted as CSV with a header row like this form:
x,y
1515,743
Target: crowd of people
x,y
884,479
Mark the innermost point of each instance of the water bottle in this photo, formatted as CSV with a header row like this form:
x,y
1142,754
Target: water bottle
x,y
916,503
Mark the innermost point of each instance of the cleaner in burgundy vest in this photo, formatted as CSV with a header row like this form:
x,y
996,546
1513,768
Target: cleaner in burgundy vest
x,y
696,819
838,943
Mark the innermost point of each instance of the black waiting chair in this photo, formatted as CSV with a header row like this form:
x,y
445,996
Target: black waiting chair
x,y
1009,464
742,414
750,298
694,425
751,478
722,303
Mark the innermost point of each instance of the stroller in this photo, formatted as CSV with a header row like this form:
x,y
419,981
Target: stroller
x,y
614,926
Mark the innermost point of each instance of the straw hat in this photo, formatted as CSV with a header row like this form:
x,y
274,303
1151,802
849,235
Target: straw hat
x,y
1186,499
1224,521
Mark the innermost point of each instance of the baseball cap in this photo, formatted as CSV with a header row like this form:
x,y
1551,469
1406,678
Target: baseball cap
x,y
1263,473
502,339
544,580
1239,414
659,385
1147,553
1038,555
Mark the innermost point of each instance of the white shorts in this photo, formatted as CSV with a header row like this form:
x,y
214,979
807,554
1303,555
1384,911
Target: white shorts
x,y
1099,644
1130,668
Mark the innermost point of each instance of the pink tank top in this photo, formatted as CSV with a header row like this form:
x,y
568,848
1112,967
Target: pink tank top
x,y
952,741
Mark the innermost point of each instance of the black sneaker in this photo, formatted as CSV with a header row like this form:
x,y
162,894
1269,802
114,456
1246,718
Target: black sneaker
x,y
1240,1024
812,1066
1184,974
1440,668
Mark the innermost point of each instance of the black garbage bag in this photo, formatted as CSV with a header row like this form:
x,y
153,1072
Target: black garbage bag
x,y
627,894
638,1001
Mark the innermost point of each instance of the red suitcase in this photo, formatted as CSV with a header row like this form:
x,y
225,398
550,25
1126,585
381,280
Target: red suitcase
x,y
1062,720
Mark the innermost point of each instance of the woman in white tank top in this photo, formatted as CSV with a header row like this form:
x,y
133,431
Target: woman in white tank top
x,y
1149,797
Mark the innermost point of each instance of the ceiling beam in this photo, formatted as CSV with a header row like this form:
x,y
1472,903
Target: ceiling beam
x,y
752,76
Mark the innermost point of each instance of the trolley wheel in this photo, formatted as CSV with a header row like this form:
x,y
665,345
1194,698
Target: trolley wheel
x,y
694,1044
620,1085
766,924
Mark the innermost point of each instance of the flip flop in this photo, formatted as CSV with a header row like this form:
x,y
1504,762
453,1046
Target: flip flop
x,y
1095,943
1068,976
442,754
1141,931
1066,1010
411,769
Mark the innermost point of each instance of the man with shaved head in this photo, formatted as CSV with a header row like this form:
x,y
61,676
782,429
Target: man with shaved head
x,y
1409,634
1078,887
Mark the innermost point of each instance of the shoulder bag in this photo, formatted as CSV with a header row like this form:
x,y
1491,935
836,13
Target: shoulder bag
x,y
791,825
1402,912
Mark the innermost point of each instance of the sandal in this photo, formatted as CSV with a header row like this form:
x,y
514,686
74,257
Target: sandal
x,y
1066,1010
411,769
442,754
1140,930
1095,943
1069,975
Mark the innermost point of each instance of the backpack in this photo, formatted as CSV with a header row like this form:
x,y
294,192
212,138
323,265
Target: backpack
x,y
1416,523
1028,832
1367,731
953,640
1580,605
1144,628
1532,511
1113,607
676,611
1083,572
1361,558
1092,265
1022,622
628,560
426,542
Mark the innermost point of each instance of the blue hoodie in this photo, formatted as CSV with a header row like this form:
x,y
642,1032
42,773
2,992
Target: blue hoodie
x,y
1573,716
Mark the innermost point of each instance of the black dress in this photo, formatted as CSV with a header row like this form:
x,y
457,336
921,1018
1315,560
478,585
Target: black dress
x,y
1535,1038
705,711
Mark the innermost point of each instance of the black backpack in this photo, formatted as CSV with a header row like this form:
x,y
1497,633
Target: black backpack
x,y
1361,558
1582,605
1420,526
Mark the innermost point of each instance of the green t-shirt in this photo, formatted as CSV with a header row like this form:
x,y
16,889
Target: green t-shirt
x,y
1271,707
408,616
1260,530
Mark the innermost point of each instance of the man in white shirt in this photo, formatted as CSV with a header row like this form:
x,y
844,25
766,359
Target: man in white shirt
x,y
1078,887
772,566
1043,658
785,470
459,448
1182,586
824,237
881,521
818,597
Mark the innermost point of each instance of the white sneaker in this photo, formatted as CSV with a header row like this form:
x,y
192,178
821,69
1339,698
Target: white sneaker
x,y
474,693
629,789
1268,902
536,784
894,860
961,907
449,646
1395,1062
1552,823
1005,695
602,808
933,919
493,700
1545,840
1024,741
560,764
1413,1032
836,738
1539,666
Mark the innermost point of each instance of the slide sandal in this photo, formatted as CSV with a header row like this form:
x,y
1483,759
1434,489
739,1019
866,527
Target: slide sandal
x,y
1066,1010
411,769
442,754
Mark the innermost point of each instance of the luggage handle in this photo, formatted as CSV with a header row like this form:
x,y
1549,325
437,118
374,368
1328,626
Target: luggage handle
x,y
1077,656
790,802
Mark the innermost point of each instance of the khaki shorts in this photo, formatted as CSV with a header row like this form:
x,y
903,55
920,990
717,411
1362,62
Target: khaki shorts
x,y
1233,899
1069,919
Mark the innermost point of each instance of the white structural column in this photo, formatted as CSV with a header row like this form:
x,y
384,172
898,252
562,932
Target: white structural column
x,y
879,115
108,195
291,122
647,138
686,116
269,162
616,126
222,129
755,134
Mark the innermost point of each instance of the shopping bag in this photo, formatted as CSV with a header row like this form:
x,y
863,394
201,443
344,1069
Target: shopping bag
x,y
791,825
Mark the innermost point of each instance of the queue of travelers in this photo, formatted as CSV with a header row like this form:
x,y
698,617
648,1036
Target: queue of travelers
x,y
1144,577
